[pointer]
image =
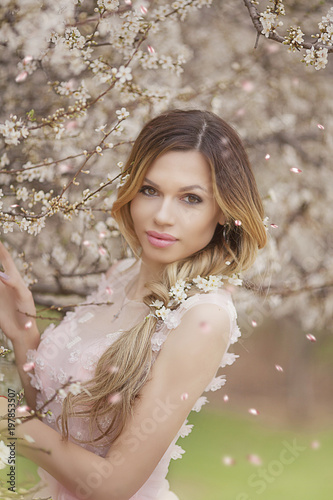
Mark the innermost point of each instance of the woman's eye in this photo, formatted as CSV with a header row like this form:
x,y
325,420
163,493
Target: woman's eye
x,y
147,190
193,200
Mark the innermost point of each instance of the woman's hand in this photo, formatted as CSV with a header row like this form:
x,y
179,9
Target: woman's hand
x,y
15,300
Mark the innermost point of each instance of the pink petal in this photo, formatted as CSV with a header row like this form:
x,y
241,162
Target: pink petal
x,y
321,127
253,411
205,327
225,398
315,445
226,460
28,366
28,325
21,76
267,157
311,337
115,398
254,459
279,368
295,170
238,223
184,396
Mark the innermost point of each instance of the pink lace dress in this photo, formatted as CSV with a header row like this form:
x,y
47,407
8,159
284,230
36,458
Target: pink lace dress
x,y
73,348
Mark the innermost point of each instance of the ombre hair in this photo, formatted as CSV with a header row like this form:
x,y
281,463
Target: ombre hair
x,y
232,249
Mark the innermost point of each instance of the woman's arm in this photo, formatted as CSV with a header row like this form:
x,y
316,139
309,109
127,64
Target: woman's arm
x,y
17,312
186,364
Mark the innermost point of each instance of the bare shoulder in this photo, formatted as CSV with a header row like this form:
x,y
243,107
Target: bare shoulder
x,y
201,340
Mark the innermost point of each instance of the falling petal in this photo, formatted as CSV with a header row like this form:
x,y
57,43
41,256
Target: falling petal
x,y
240,112
225,398
28,438
311,337
109,290
227,262
128,2
254,323
101,251
248,86
279,368
254,459
253,411
315,445
113,369
28,325
28,366
184,396
143,9
151,49
14,206
321,127
205,327
21,77
64,168
295,170
102,234
115,398
86,243
238,223
267,157
274,225
226,460
21,409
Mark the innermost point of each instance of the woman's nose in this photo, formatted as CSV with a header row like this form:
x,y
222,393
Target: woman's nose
x,y
165,213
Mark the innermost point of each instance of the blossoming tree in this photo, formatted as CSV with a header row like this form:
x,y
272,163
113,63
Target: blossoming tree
x,y
79,78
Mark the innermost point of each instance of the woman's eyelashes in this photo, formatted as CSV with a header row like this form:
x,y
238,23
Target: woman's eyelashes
x,y
150,191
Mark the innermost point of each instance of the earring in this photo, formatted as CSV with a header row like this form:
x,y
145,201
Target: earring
x,y
225,230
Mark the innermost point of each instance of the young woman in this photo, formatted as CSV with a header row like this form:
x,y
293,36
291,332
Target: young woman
x,y
189,209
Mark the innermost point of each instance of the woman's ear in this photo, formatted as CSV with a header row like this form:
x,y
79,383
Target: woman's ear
x,y
222,219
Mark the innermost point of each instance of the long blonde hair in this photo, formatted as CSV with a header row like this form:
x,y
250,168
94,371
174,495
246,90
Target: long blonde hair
x,y
236,193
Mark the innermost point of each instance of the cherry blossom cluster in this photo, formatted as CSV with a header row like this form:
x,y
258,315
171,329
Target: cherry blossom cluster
x,y
270,17
294,39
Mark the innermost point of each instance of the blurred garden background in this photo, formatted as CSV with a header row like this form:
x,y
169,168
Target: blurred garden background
x,y
66,69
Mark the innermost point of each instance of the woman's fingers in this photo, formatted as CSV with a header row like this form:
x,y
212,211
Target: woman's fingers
x,y
10,274
4,276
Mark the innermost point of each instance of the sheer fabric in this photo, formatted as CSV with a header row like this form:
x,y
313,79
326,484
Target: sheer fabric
x,y
73,348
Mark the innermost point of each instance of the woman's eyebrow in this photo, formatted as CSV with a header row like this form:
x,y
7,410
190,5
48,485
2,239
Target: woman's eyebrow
x,y
185,188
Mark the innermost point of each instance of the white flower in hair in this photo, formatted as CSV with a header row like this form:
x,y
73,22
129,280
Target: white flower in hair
x,y
177,293
235,280
208,285
157,303
162,312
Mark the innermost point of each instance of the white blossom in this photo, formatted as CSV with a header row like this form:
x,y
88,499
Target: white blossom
x,y
124,74
75,388
122,113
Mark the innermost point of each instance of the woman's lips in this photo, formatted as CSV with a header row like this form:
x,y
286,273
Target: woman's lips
x,y
159,242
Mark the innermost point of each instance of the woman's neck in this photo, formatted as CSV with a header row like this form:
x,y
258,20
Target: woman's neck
x,y
136,289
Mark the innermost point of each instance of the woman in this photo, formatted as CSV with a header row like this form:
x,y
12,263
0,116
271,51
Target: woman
x,y
190,210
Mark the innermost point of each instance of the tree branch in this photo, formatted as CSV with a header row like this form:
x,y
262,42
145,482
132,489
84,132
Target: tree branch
x,y
273,35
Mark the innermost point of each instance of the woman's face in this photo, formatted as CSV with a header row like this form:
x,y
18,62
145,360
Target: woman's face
x,y
174,212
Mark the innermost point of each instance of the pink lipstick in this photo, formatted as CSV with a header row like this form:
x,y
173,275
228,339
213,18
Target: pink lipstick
x,y
160,240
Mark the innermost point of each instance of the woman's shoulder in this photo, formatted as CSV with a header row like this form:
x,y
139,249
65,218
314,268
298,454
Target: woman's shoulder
x,y
221,298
